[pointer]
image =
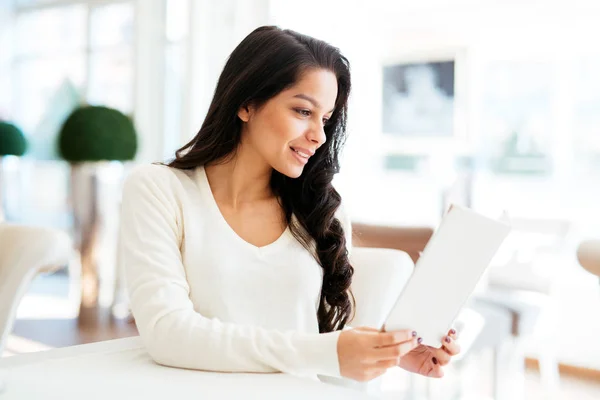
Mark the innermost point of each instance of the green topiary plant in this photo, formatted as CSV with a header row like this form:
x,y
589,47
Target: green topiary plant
x,y
12,141
91,134
94,133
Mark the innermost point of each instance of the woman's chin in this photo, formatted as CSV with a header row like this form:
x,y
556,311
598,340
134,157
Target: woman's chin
x,y
291,171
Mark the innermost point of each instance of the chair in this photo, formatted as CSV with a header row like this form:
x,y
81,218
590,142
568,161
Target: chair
x,y
379,277
24,252
525,286
588,254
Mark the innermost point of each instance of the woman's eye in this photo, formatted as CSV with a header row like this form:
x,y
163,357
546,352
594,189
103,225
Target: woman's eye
x,y
307,113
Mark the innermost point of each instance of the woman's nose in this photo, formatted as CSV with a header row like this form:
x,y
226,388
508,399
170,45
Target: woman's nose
x,y
317,135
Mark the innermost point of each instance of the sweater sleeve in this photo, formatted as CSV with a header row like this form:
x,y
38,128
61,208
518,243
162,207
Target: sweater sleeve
x,y
173,332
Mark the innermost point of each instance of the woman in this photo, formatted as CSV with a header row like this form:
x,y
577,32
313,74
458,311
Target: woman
x,y
236,253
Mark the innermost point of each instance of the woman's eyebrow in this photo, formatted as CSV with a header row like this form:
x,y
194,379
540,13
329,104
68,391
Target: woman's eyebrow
x,y
311,100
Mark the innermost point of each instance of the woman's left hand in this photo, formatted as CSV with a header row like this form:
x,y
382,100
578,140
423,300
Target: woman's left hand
x,y
428,361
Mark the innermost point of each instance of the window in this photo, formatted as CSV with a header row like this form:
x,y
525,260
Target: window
x,y
65,55
111,58
176,72
59,66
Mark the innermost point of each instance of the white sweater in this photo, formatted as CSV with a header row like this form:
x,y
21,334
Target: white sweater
x,y
203,298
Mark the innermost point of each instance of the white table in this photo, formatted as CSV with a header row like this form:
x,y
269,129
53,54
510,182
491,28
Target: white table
x,y
121,369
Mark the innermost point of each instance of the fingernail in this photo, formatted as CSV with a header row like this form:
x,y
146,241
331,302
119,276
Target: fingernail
x,y
448,339
452,331
414,333
434,360
420,340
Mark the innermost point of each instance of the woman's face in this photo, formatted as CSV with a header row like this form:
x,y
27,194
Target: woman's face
x,y
288,128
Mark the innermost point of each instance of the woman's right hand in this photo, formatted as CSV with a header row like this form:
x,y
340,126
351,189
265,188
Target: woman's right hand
x,y
366,353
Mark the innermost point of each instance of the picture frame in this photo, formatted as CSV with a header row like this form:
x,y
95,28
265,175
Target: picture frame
x,y
423,101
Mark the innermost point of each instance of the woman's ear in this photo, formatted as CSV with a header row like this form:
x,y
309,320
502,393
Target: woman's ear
x,y
245,112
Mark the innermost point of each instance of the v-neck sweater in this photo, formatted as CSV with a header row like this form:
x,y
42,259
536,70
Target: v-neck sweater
x,y
204,298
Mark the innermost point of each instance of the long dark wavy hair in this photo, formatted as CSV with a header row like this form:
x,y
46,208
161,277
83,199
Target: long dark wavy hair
x,y
268,61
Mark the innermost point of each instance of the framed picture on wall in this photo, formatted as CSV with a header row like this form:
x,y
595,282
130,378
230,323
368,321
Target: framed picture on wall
x,y
423,102
418,98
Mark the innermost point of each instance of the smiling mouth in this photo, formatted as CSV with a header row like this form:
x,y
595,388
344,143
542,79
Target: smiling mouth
x,y
301,154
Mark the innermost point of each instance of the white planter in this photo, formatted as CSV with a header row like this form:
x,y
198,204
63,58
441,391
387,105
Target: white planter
x,y
95,194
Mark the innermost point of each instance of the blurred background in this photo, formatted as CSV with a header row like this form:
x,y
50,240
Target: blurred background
x,y
491,104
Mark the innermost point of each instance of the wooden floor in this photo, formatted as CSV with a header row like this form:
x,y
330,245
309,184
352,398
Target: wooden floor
x,y
47,318
70,332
